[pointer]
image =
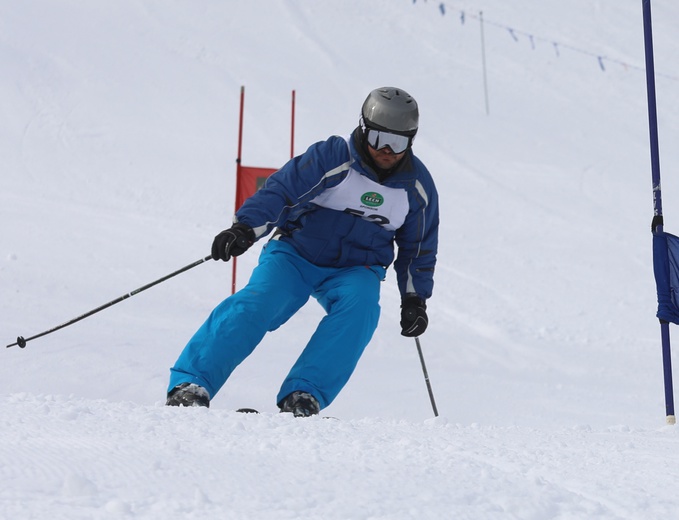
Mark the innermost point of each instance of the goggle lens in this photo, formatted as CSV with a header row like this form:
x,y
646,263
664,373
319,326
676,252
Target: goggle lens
x,y
379,139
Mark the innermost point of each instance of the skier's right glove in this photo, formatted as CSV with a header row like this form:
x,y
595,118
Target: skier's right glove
x,y
414,319
232,242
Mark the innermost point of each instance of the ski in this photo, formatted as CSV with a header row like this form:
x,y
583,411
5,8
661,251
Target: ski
x,y
252,410
247,410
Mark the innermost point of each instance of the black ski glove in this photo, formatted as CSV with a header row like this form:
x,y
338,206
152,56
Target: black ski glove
x,y
232,242
414,319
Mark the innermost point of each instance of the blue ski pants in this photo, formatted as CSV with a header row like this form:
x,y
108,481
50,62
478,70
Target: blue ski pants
x,y
279,286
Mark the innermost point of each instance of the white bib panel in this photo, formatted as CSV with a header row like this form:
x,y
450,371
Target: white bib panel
x,y
362,197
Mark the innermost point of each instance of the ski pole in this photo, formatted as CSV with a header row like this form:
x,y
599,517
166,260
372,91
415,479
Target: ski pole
x,y
426,377
21,341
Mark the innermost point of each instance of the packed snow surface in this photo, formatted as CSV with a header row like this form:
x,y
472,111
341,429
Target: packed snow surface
x,y
118,139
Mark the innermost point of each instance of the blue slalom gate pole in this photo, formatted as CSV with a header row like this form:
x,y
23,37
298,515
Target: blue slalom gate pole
x,y
657,223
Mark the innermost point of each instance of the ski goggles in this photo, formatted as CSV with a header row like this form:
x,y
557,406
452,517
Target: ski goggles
x,y
379,139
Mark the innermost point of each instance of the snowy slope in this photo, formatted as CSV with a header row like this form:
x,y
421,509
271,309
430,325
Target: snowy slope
x,y
118,134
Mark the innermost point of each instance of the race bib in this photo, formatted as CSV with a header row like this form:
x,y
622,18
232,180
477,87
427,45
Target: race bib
x,y
362,197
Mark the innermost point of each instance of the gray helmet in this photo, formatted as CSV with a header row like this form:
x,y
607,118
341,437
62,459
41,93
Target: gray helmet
x,y
391,109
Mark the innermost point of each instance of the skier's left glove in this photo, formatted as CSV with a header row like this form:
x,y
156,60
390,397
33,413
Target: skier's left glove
x,y
232,242
414,319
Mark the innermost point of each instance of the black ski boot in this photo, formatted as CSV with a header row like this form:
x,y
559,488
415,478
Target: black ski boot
x,y
188,394
300,404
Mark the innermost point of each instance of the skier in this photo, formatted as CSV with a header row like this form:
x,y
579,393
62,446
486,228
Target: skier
x,y
337,211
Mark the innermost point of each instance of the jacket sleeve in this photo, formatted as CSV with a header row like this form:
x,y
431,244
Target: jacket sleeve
x,y
295,184
417,240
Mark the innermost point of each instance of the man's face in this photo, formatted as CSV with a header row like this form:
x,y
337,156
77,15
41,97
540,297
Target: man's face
x,y
384,157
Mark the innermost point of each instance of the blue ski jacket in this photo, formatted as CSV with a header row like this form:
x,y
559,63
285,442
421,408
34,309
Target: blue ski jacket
x,y
332,207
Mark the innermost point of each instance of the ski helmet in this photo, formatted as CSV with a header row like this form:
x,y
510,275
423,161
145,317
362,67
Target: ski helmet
x,y
390,109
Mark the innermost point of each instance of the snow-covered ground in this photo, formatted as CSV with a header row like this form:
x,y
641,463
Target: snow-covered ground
x,y
118,140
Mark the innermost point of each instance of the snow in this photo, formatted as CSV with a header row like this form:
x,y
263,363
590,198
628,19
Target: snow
x,y
118,138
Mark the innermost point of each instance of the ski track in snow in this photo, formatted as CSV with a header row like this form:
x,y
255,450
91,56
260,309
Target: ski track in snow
x,y
99,459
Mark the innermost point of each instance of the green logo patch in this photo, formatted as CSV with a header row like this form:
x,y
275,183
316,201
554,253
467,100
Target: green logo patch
x,y
372,199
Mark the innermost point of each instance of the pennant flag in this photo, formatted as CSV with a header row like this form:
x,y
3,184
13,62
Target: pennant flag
x,y
601,63
248,181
